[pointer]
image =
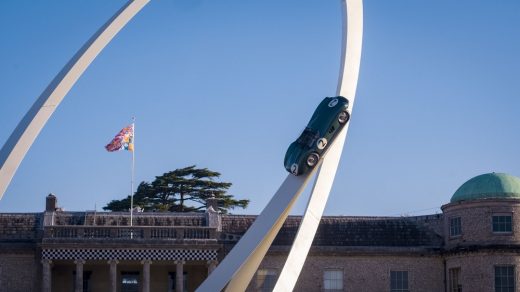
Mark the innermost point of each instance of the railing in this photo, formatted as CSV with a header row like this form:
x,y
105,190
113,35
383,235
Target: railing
x,y
123,218
126,232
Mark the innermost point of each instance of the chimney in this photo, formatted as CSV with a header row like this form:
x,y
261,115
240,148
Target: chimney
x,y
50,203
212,202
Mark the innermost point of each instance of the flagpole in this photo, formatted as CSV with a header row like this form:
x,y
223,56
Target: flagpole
x,y
132,180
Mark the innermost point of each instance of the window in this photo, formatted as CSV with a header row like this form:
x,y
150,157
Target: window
x,y
455,226
502,224
455,285
172,280
266,279
333,280
504,278
399,281
308,137
129,281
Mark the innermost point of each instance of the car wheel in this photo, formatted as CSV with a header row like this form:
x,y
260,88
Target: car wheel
x,y
294,169
313,159
343,117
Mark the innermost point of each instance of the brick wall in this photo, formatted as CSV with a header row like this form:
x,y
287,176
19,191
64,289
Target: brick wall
x,y
477,270
18,271
476,222
366,273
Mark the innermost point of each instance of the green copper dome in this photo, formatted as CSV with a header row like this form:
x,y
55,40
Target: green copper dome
x,y
489,185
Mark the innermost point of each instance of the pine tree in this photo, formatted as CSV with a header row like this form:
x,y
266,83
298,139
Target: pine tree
x,y
181,190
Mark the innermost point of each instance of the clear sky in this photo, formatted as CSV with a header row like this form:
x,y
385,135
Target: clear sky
x,y
228,85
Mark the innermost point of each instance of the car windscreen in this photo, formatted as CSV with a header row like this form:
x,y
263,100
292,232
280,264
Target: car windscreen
x,y
308,137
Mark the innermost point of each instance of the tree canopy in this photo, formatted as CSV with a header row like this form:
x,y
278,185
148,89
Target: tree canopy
x,y
181,190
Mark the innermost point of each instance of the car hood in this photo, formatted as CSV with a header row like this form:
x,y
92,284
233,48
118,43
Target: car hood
x,y
295,153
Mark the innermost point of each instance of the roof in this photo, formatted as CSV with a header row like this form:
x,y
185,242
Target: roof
x,y
353,231
489,185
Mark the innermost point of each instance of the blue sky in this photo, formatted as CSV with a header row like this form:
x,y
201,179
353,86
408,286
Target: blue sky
x,y
228,85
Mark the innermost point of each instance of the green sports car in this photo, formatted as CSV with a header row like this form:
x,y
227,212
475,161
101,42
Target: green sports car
x,y
326,122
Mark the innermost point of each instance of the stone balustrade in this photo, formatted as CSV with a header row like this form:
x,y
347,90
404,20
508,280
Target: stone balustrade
x,y
123,218
79,232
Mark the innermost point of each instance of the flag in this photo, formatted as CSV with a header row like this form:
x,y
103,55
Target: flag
x,y
124,140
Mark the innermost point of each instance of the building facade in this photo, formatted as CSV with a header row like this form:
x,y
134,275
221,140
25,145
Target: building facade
x,y
474,245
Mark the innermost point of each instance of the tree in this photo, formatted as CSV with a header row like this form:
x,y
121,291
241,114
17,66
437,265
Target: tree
x,y
181,190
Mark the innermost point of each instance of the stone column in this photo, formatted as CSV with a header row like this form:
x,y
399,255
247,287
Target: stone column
x,y
113,275
179,276
46,275
146,275
212,264
79,275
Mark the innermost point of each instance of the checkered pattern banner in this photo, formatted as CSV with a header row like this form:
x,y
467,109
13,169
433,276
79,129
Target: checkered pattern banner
x,y
130,254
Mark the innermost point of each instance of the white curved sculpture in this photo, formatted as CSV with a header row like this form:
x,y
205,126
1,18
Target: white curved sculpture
x,y
236,270
347,84
14,150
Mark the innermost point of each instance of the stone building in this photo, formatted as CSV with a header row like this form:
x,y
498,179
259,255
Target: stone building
x,y
474,245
